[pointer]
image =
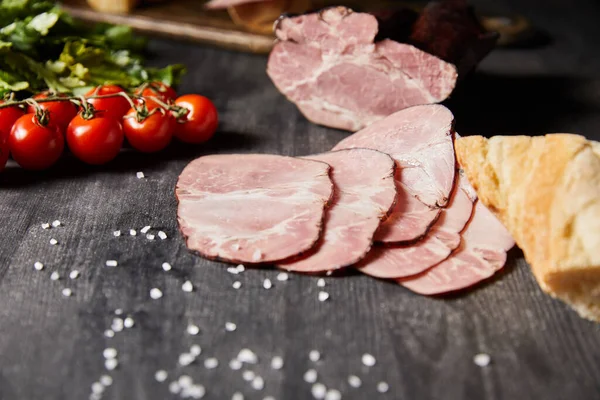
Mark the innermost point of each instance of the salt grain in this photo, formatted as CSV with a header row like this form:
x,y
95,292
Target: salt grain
x,y
97,388
235,364
277,362
118,311
323,296
117,233
321,282
230,326
269,398
237,284
106,380
174,387
74,274
155,293
145,229
109,353
195,350
237,396
45,225
185,381
111,263
128,322
186,359
55,276
211,363
314,355
382,387
162,235
132,232
111,364
282,276
193,330
166,266
187,287
333,394
38,266
53,242
482,359
56,223
354,381
194,391
161,375
233,270
267,284
248,375
67,292
257,255
117,324
140,175
310,376
258,383
329,273
241,268
247,356
235,246
109,333
368,360
318,391
150,236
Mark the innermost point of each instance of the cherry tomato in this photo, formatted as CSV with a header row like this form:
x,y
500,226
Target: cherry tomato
x,y
113,107
61,112
8,116
34,146
164,93
95,141
201,121
151,134
3,151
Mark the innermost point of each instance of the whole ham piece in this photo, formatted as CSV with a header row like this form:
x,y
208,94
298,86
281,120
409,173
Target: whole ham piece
x,y
441,240
364,195
485,242
252,208
328,64
419,139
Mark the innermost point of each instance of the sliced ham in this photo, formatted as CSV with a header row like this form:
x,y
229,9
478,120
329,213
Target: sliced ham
x,y
485,242
328,64
419,139
444,237
252,208
364,195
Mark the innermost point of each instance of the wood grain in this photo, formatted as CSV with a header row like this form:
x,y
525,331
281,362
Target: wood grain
x,y
51,346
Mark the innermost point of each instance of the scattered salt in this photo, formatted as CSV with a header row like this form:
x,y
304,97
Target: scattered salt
x,y
211,363
323,296
237,284
257,255
118,311
97,387
248,375
241,268
333,394
258,383
247,356
166,266
117,324
161,375
329,273
117,233
162,235
235,246
45,225
109,353
174,387
318,391
55,276
109,333
193,330
106,380
112,263
38,266
321,282
187,287
382,387
111,364
314,355
128,322
195,350
232,270
282,276
194,391
56,223
235,364
186,359
145,229
368,360
185,381
140,175
150,236
482,359
310,376
354,381
74,274
230,326
237,396
67,292
132,232
277,362
267,284
53,242
155,293
269,398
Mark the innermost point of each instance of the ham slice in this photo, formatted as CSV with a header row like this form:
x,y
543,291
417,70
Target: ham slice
x,y
485,242
419,139
328,64
364,195
252,208
444,237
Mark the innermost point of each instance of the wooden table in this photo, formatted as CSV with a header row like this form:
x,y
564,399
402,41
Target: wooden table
x,y
51,346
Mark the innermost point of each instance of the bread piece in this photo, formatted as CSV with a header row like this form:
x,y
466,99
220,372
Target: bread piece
x,y
113,6
546,191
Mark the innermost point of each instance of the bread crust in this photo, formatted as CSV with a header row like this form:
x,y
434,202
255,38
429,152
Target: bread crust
x,y
546,191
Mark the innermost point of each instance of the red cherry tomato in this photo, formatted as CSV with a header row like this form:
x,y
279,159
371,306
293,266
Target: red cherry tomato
x,y
3,151
113,107
61,112
95,141
164,93
34,146
151,134
201,122
8,116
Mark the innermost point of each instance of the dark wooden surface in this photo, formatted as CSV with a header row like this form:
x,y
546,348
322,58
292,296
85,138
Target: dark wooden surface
x,y
51,346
